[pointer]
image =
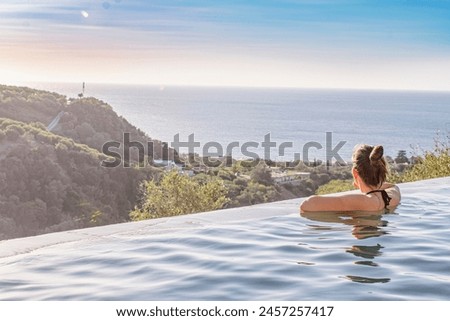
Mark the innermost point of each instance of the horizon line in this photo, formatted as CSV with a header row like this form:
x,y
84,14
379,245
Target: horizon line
x,y
210,86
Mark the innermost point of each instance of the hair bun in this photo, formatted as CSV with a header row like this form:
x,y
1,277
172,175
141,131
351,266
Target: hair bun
x,y
376,154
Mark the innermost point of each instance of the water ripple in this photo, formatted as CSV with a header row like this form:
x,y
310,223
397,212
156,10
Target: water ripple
x,y
402,256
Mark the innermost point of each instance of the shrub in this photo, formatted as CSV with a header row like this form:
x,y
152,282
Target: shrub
x,y
432,165
335,186
263,175
177,194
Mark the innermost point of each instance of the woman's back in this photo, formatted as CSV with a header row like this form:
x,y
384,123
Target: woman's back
x,y
369,173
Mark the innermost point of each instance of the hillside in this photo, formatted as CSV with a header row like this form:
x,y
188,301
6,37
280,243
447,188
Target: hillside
x,y
53,181
87,121
93,122
30,105
50,183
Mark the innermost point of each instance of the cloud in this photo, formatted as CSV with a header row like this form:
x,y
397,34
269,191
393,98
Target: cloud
x,y
283,42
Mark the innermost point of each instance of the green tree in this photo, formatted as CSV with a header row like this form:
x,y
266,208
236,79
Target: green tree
x,y
401,157
256,193
177,194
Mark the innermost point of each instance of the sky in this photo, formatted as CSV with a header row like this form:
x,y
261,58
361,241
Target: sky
x,y
382,44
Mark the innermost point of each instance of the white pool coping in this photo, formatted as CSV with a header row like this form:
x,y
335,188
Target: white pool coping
x,y
20,246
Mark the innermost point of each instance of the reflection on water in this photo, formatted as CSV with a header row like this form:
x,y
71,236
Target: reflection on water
x,y
367,252
364,225
362,279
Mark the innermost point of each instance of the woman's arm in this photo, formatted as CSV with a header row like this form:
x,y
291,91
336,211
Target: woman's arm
x,y
349,202
393,192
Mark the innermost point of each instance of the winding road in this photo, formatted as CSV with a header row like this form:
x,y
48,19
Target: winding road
x,y
55,121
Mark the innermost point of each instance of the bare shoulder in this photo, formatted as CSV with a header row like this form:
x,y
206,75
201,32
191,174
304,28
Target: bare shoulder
x,y
394,193
347,202
355,201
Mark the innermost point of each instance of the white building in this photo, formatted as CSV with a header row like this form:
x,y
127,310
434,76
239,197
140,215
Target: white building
x,y
289,177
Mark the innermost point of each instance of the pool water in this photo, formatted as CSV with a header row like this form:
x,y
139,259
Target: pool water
x,y
263,252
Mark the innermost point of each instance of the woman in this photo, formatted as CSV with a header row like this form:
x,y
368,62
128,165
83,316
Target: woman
x,y
369,175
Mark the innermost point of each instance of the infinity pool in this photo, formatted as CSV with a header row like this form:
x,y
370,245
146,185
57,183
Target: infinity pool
x,y
263,252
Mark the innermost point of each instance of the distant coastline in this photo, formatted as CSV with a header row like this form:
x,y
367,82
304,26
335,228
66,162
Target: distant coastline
x,y
400,120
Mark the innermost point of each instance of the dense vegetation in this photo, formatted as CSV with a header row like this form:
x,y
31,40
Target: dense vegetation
x,y
241,184
50,183
30,105
244,186
87,121
92,122
177,194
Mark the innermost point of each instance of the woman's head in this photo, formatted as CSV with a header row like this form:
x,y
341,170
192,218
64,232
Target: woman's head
x,y
370,165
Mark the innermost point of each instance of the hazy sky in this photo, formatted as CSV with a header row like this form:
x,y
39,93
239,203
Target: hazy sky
x,y
297,43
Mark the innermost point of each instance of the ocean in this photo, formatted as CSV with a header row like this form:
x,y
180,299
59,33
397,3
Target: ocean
x,y
299,118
